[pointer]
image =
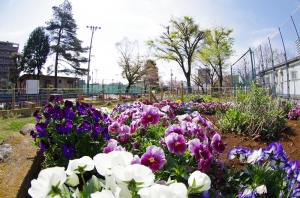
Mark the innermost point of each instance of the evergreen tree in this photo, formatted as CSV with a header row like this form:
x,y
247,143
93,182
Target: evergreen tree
x,y
15,68
35,52
64,43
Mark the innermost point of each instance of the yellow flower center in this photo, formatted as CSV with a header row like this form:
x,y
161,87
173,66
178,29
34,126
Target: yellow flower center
x,y
176,144
149,116
151,159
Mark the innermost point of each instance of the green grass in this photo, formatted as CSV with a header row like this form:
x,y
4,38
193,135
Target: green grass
x,y
12,125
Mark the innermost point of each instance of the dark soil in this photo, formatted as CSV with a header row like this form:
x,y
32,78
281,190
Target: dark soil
x,y
289,139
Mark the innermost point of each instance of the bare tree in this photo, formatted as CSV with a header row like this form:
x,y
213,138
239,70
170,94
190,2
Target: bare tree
x,y
132,64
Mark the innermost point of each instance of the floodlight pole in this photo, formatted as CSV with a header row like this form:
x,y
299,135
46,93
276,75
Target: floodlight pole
x,y
93,28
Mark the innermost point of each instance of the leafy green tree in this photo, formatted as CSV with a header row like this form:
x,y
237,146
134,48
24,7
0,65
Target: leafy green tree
x,y
15,68
64,43
179,43
217,48
35,52
132,65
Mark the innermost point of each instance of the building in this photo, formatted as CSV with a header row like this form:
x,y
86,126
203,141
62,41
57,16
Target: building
x,y
6,50
63,82
283,79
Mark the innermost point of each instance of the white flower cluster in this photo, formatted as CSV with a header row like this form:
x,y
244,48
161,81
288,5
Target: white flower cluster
x,y
122,179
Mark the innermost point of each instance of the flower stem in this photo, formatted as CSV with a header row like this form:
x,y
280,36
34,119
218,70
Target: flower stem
x,y
83,179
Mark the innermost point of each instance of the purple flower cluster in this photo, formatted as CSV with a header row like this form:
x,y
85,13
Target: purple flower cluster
x,y
212,107
184,134
69,131
294,114
277,159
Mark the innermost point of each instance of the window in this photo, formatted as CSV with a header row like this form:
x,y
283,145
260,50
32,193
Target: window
x,y
59,81
294,75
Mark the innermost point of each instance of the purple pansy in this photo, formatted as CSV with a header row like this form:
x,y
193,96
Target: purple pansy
x,y
114,127
217,144
41,128
273,149
68,104
55,113
37,115
84,126
64,128
96,116
154,158
278,161
175,128
67,114
150,115
175,143
67,151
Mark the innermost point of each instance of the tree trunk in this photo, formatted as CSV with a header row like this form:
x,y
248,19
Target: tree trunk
x,y
56,60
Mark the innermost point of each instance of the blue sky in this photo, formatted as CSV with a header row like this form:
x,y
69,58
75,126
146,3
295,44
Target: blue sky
x,y
252,21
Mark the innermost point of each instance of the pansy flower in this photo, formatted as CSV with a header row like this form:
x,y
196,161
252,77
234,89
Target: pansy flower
x,y
67,151
154,158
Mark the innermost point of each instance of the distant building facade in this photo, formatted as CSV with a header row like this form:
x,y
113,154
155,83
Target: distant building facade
x,y
6,50
63,82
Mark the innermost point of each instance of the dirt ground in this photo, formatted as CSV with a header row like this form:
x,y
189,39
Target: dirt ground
x,y
289,139
22,166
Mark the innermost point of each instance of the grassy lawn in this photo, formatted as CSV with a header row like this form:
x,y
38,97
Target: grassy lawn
x,y
12,125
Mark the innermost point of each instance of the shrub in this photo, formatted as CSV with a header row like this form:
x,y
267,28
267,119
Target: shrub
x,y
257,115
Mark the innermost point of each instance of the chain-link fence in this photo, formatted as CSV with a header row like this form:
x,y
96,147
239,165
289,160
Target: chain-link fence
x,y
275,63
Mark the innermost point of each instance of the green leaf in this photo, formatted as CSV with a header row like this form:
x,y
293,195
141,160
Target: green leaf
x,y
93,185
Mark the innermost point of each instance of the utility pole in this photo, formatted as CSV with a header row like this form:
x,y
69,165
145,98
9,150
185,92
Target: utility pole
x,y
93,28
171,80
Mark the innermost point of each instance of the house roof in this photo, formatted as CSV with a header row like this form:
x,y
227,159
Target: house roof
x,y
30,75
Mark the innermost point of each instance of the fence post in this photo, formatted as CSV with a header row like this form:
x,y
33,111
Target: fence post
x,y
13,97
131,93
181,90
102,92
120,98
211,90
268,90
79,95
161,95
48,92
150,92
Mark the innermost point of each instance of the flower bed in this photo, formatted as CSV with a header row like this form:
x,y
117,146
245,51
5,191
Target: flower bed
x,y
161,138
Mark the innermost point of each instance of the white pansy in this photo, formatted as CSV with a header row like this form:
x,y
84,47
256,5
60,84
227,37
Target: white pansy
x,y
76,163
262,189
76,194
139,173
104,162
198,179
176,190
47,178
255,156
72,180
103,194
119,190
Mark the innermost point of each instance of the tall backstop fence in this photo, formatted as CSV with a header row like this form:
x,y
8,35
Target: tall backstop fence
x,y
275,63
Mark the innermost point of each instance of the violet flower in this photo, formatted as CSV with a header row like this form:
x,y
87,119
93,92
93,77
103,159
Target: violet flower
x,y
150,115
154,158
84,126
67,114
217,144
67,151
175,143
41,128
68,104
175,128
64,128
